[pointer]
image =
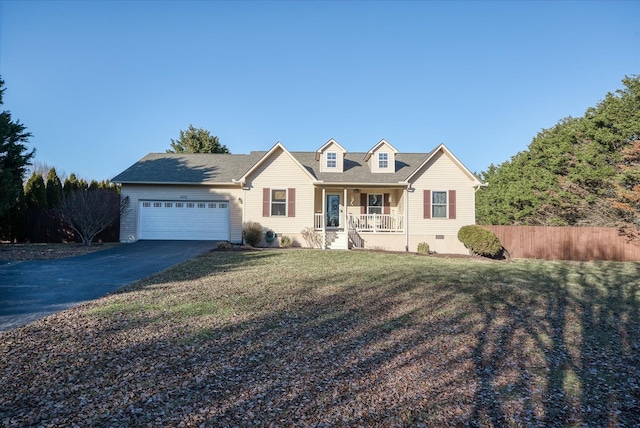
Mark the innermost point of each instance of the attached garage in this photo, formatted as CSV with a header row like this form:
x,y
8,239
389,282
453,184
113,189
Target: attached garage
x,y
181,220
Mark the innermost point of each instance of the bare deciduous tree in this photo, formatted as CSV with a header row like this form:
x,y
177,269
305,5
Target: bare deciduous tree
x,y
89,212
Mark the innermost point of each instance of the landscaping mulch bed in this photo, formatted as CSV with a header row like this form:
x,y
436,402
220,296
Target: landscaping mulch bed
x,y
23,252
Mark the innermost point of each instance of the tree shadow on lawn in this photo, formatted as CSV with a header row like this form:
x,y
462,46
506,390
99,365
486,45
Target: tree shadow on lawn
x,y
437,343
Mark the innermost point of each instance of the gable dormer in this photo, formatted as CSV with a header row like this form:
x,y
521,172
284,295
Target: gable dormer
x,y
331,157
381,158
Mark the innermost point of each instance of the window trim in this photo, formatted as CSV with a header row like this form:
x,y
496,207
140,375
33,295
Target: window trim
x,y
445,204
381,206
332,157
283,203
381,160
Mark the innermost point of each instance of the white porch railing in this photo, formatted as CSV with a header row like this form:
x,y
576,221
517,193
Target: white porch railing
x,y
318,221
368,222
377,222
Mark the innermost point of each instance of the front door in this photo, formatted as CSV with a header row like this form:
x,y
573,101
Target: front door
x,y
333,211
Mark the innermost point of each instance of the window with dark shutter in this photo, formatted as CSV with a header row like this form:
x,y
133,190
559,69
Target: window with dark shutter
x,y
452,204
291,203
427,204
266,202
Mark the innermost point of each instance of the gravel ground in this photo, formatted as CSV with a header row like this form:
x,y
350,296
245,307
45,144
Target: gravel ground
x,y
23,252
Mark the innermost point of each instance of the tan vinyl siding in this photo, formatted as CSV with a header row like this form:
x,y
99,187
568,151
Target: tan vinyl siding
x,y
391,159
280,171
441,173
334,148
129,221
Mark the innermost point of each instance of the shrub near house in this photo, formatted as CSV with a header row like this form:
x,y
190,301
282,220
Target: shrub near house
x,y
480,241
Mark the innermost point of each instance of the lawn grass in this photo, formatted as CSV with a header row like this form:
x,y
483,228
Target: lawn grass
x,y
336,338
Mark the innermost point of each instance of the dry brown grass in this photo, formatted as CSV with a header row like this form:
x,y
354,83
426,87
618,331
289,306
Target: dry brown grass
x,y
322,338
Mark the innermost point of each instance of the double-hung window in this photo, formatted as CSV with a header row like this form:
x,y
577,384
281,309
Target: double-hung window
x,y
383,160
374,204
438,204
332,159
278,202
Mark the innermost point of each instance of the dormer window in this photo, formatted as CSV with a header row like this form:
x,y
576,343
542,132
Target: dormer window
x,y
332,159
383,160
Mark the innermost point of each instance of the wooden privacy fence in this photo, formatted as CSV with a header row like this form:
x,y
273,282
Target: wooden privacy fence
x,y
566,243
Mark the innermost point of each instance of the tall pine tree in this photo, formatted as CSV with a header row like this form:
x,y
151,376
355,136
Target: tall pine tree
x,y
197,141
14,159
54,189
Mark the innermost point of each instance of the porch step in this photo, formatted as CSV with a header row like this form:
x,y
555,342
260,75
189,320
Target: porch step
x,y
337,241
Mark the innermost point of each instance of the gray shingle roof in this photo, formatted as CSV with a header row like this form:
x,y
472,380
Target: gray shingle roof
x,y
223,168
356,169
187,168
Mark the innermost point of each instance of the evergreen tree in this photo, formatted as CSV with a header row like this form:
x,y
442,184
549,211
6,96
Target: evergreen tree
x,y
13,227
14,158
54,189
583,171
35,192
72,184
197,141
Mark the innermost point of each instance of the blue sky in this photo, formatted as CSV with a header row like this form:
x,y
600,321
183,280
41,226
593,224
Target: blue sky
x,y
102,83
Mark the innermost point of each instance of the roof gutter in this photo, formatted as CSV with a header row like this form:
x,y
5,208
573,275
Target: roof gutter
x,y
364,184
181,183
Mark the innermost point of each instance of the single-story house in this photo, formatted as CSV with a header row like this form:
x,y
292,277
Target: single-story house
x,y
380,199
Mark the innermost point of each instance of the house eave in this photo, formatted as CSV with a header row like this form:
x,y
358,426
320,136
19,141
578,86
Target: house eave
x,y
181,183
361,184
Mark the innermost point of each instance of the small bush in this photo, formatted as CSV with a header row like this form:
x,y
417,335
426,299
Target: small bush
x,y
286,241
224,245
252,233
480,241
423,248
313,238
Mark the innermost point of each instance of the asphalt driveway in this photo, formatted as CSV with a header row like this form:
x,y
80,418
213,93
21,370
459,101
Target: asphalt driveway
x,y
34,289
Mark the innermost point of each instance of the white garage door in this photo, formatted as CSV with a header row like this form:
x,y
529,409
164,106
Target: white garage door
x,y
180,220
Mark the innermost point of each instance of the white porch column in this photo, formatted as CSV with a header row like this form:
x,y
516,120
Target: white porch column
x,y
344,207
406,217
324,214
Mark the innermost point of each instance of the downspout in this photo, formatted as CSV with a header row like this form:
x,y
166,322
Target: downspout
x,y
244,203
406,218
244,188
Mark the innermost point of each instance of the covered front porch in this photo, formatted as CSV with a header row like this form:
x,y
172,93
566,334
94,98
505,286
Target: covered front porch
x,y
346,215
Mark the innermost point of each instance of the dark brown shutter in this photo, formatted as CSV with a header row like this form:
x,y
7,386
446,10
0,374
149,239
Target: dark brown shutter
x,y
266,202
452,204
386,209
291,202
363,203
427,204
